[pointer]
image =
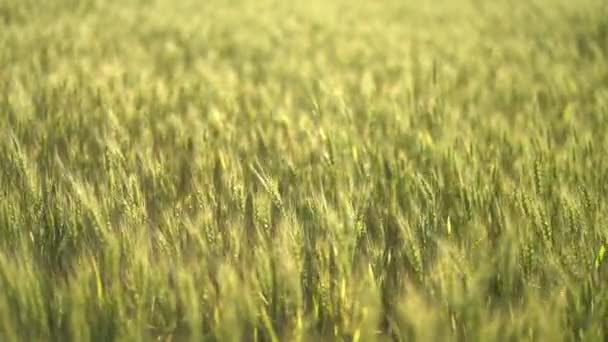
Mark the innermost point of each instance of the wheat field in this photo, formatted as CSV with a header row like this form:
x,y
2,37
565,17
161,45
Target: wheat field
x,y
303,171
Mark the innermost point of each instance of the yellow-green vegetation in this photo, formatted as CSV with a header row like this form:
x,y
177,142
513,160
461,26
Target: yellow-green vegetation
x,y
273,170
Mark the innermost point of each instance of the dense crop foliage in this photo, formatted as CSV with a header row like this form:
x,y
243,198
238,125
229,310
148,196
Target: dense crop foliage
x,y
273,170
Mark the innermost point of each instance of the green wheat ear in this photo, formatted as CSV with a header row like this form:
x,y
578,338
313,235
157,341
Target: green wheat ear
x,y
250,227
218,174
599,257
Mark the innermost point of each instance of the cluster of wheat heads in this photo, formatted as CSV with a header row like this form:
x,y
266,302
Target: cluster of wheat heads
x,y
335,170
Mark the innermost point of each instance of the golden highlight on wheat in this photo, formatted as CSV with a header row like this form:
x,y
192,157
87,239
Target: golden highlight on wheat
x,y
303,171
